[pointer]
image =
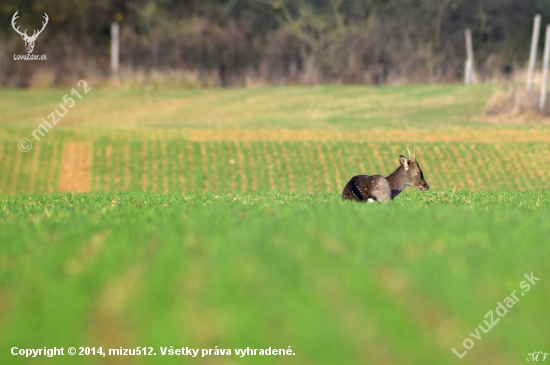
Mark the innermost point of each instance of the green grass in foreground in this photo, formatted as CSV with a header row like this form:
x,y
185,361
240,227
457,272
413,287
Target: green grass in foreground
x,y
342,283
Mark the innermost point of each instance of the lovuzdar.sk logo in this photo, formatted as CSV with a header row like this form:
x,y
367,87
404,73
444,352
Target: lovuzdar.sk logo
x,y
29,40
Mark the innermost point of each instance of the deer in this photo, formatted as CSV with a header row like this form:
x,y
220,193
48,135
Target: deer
x,y
371,188
29,41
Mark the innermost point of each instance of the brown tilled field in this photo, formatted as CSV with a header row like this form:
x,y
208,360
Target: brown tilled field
x,y
250,165
285,139
196,231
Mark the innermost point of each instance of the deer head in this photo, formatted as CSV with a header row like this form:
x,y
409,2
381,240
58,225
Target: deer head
x,y
414,175
29,41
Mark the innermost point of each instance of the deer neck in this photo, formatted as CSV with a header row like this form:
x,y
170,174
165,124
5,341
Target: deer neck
x,y
398,181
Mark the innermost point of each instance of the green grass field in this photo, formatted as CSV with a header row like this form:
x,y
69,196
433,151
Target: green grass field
x,y
303,139
204,218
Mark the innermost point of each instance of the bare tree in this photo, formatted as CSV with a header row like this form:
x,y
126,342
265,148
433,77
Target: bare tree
x,y
320,27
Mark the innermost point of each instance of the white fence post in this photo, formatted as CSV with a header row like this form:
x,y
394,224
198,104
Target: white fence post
x,y
114,48
545,68
533,54
469,70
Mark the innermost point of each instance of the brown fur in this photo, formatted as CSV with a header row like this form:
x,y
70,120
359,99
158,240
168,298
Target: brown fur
x,y
365,188
361,188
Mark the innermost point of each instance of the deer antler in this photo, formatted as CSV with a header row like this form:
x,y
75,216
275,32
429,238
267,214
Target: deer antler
x,y
24,34
15,16
34,35
408,152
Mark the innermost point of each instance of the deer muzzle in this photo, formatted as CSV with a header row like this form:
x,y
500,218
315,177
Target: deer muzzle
x,y
29,46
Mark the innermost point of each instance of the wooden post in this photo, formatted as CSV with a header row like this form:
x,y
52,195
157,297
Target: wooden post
x,y
469,69
114,49
545,68
533,54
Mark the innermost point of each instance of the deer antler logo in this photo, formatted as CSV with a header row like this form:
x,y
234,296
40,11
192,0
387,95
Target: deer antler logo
x,y
29,41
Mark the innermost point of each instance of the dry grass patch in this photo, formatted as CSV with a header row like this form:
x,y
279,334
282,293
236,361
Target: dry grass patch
x,y
378,135
517,106
76,167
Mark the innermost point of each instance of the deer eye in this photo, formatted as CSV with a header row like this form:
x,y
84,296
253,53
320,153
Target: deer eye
x,y
418,173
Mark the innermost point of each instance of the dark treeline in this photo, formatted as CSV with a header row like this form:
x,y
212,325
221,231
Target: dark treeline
x,y
239,42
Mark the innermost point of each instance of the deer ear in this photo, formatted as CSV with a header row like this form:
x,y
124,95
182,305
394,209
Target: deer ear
x,y
403,161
